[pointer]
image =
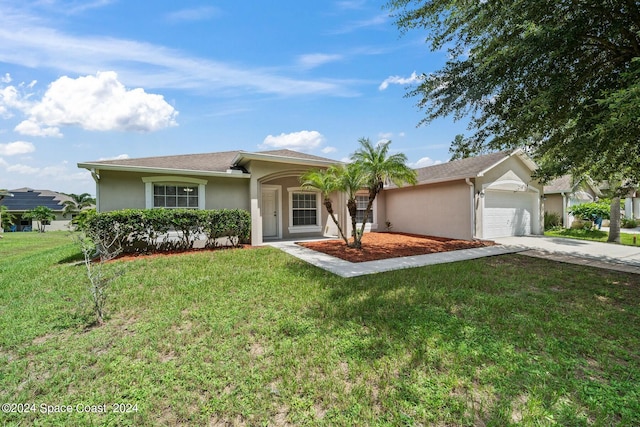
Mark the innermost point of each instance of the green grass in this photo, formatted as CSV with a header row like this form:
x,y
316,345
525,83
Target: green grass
x,y
597,235
257,337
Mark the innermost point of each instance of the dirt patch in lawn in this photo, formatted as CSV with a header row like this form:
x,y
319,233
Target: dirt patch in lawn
x,y
383,245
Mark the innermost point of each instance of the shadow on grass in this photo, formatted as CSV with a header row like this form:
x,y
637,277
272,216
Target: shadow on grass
x,y
500,340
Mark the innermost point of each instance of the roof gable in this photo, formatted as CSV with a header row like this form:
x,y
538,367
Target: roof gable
x,y
470,167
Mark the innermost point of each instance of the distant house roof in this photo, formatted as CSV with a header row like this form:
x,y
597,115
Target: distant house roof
x,y
206,163
25,199
566,184
470,167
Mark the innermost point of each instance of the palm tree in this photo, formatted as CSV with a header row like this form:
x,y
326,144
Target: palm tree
x,y
327,182
378,168
77,204
347,179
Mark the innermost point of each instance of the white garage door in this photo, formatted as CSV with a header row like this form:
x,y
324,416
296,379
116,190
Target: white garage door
x,y
507,213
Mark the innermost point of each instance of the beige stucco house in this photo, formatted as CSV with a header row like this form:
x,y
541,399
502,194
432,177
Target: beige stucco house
x,y
564,192
482,197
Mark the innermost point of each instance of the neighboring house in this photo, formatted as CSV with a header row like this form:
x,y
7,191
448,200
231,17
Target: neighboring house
x,y
563,193
632,205
483,197
3,194
25,199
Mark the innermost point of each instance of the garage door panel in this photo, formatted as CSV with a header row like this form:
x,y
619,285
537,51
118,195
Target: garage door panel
x,y
507,214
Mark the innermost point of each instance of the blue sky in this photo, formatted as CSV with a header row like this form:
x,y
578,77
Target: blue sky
x,y
102,79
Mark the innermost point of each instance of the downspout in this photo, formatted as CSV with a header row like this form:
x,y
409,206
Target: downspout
x,y
95,174
565,219
472,199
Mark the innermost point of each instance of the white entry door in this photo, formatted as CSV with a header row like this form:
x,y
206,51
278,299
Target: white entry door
x,y
269,213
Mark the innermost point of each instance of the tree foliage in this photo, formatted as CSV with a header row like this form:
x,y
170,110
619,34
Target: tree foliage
x,y
77,204
378,168
42,214
559,77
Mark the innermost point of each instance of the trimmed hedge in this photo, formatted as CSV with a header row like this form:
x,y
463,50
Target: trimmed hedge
x,y
157,230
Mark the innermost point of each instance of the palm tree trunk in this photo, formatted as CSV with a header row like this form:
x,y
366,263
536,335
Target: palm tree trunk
x,y
614,221
352,206
329,207
372,197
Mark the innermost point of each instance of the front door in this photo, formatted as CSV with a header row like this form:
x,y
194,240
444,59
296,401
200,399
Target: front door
x,y
269,213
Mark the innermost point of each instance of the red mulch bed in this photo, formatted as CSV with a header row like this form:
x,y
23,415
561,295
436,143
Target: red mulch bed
x,y
377,246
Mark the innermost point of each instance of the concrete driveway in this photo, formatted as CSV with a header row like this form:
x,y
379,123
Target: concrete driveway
x,y
592,251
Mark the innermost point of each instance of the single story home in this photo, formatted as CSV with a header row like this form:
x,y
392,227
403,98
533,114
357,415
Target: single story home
x,y
483,197
632,205
26,199
564,192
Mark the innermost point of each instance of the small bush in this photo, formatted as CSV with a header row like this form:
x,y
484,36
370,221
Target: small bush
x,y
629,223
552,220
154,230
588,211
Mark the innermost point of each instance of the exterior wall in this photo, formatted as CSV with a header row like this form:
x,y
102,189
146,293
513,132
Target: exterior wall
x,y
553,204
126,190
442,210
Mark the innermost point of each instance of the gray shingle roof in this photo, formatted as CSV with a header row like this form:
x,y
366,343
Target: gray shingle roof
x,y
210,162
460,169
205,162
562,184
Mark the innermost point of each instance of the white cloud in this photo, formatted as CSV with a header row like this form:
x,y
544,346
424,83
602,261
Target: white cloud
x,y
314,60
27,42
327,150
3,162
301,141
23,169
397,80
17,147
385,135
425,161
193,14
118,157
376,21
32,128
97,103
6,78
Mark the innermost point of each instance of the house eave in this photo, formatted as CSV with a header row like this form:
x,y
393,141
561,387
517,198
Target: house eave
x,y
170,171
243,157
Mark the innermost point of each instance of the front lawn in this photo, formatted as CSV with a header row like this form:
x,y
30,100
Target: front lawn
x,y
597,235
257,337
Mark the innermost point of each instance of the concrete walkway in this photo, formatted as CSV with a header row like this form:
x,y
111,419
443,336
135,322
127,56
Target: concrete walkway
x,y
595,254
352,269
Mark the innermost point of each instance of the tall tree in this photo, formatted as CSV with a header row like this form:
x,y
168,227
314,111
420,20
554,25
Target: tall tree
x,y
559,77
379,167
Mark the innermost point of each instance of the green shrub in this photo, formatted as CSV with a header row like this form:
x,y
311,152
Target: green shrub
x,y
552,220
154,230
588,211
581,224
629,223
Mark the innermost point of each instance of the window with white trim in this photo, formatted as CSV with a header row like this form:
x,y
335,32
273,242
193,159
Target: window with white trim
x,y
304,211
361,204
174,192
175,196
